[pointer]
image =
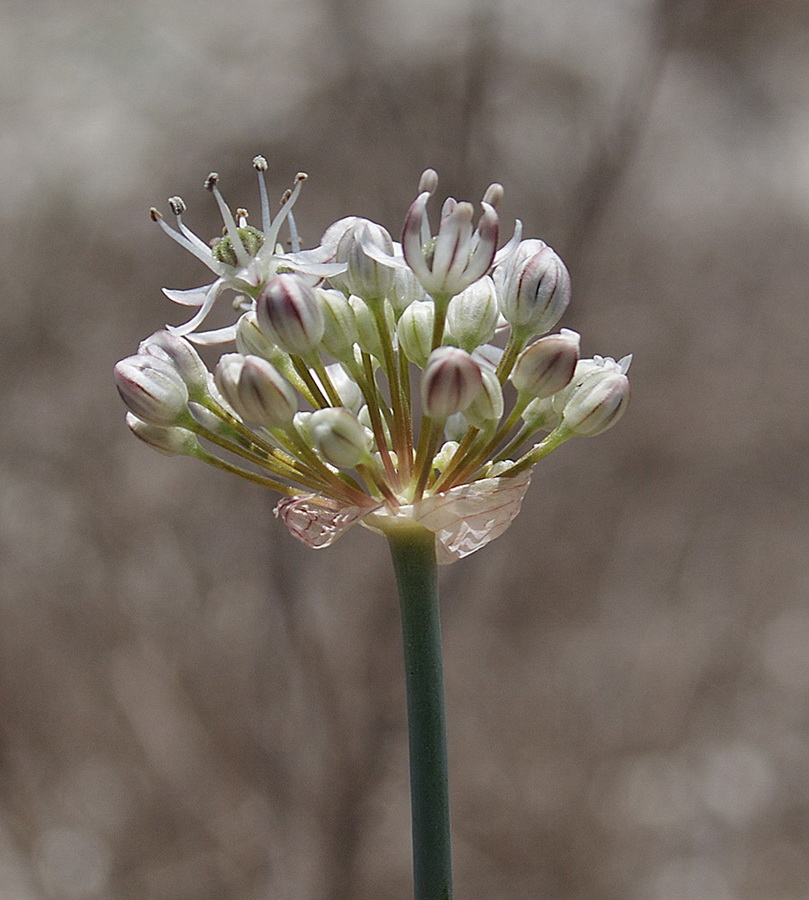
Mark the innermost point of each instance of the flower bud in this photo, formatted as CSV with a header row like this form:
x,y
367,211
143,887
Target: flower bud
x,y
455,427
289,313
348,389
173,441
534,288
488,405
367,329
183,357
584,369
251,340
406,289
547,365
256,390
340,332
152,389
415,331
472,315
540,415
597,403
339,437
365,276
450,382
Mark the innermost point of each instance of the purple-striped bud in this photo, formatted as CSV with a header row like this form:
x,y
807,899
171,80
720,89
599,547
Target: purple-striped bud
x,y
533,285
339,437
450,382
256,390
547,365
597,403
289,313
152,389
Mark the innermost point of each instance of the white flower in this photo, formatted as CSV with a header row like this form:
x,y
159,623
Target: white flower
x,y
459,254
244,259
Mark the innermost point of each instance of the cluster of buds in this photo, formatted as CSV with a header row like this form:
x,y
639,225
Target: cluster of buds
x,y
374,381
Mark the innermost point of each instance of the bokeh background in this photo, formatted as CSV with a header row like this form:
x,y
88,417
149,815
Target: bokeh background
x,y
195,707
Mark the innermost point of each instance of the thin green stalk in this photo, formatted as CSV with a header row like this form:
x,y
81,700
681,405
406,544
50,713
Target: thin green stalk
x,y
414,563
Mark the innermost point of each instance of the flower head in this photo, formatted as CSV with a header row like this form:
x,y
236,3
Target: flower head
x,y
337,348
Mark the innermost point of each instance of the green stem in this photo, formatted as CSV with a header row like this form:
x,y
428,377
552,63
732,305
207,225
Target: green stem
x,y
414,563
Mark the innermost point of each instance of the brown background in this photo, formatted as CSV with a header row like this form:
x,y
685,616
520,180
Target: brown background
x,y
194,707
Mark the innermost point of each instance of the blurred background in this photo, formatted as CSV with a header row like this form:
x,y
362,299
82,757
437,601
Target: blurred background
x,y
195,707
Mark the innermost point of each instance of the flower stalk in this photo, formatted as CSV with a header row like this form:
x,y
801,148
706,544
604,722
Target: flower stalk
x,y
414,564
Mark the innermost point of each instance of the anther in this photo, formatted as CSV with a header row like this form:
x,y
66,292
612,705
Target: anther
x,y
177,205
260,164
211,181
155,214
301,176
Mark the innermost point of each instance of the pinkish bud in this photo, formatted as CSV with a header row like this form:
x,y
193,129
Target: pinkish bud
x,y
547,365
450,382
152,389
533,287
256,390
289,313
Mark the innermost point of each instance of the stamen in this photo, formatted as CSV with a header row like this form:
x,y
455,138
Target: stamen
x,y
201,252
287,202
177,205
242,255
260,165
241,217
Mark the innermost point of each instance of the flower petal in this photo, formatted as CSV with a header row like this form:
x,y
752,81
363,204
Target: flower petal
x,y
191,297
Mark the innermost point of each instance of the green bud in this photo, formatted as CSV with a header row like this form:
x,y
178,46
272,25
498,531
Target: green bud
x,y
340,333
472,315
415,331
339,437
487,407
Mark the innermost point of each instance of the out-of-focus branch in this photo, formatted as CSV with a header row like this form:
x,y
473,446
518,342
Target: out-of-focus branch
x,y
614,149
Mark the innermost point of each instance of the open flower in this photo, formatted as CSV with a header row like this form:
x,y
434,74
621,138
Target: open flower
x,y
321,401
245,257
459,254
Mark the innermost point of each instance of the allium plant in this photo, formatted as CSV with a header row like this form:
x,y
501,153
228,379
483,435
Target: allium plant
x,y
409,387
